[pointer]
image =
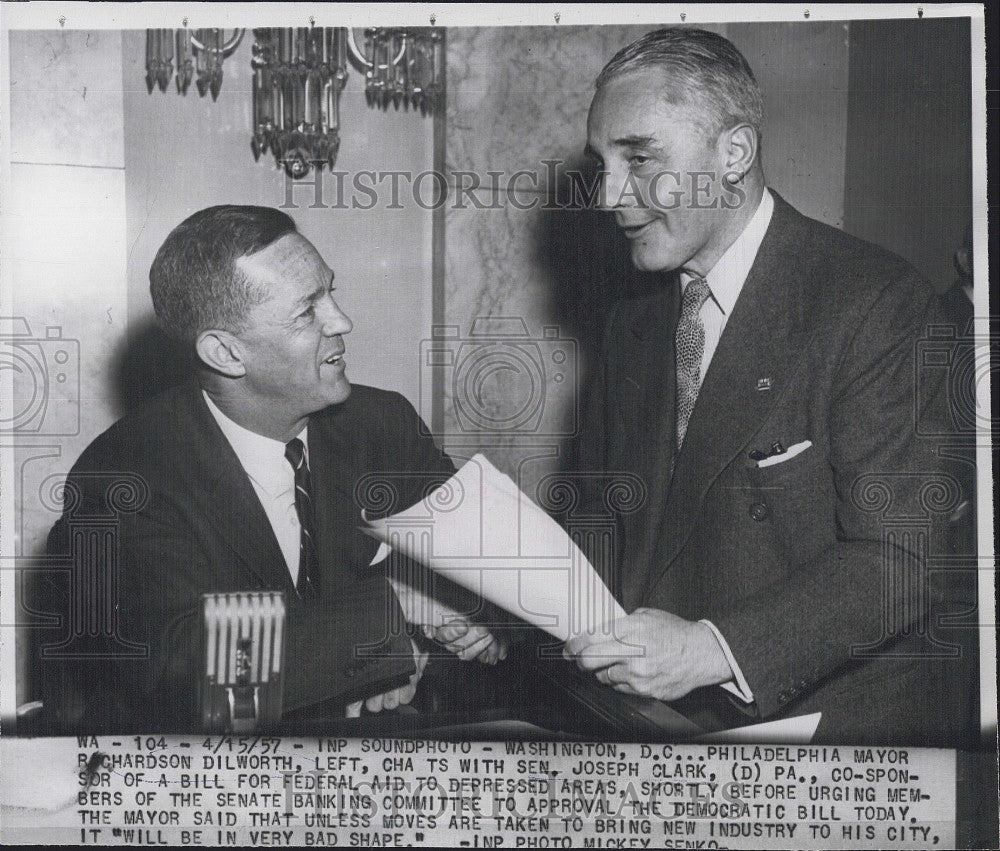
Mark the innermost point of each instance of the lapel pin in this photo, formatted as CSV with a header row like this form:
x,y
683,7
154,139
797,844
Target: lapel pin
x,y
764,384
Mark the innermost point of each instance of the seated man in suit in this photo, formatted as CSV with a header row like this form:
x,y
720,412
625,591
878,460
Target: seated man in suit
x,y
244,480
767,396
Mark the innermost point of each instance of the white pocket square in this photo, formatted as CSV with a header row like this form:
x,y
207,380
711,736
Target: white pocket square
x,y
787,455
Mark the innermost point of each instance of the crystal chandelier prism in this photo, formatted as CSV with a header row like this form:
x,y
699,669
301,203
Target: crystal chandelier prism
x,y
199,55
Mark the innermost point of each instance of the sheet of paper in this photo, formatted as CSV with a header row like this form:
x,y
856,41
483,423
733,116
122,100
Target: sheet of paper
x,y
39,774
786,731
480,531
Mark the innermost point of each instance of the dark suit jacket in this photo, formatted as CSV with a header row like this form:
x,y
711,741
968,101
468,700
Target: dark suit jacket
x,y
202,529
813,569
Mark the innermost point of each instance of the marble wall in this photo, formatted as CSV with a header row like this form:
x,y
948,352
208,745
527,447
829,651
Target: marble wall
x,y
65,250
517,102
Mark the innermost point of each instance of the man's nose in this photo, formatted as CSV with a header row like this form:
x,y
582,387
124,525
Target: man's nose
x,y
616,190
335,321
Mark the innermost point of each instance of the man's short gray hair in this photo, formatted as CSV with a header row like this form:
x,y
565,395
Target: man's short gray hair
x,y
701,69
194,280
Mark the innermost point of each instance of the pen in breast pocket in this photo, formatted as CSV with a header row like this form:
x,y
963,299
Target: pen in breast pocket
x,y
776,449
780,455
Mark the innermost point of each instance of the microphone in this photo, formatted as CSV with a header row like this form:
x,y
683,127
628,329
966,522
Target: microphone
x,y
244,649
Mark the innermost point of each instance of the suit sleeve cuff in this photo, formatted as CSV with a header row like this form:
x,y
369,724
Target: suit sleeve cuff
x,y
737,686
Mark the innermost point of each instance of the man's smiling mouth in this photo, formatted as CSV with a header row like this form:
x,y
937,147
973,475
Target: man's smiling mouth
x,y
632,231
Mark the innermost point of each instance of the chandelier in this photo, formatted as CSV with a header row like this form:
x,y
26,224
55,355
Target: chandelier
x,y
199,52
300,72
298,76
402,66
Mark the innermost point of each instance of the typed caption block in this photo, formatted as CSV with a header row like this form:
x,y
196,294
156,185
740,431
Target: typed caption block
x,y
269,791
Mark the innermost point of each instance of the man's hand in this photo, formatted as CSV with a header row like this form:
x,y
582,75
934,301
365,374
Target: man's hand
x,y
652,653
396,697
468,640
441,623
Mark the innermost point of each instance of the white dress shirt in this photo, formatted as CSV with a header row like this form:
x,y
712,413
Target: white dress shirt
x,y
725,281
727,277
273,479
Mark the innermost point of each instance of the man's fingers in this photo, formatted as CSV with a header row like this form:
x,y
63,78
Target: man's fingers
x,y
619,677
397,696
577,644
473,650
489,655
496,651
620,644
387,701
601,655
470,639
614,675
452,631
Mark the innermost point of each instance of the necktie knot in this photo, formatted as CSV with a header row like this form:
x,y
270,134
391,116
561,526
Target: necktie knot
x,y
696,293
295,453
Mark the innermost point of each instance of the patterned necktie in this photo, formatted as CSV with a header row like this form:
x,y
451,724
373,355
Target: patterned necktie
x,y
307,584
690,347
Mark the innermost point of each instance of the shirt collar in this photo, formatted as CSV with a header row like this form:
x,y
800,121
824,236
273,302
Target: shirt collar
x,y
263,458
727,276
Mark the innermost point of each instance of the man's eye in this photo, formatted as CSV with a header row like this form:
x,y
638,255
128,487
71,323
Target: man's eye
x,y
308,313
638,160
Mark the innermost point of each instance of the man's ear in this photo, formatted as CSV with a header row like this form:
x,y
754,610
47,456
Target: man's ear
x,y
740,151
221,351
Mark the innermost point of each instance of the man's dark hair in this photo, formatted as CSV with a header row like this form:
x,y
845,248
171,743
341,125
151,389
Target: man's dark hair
x,y
702,69
194,280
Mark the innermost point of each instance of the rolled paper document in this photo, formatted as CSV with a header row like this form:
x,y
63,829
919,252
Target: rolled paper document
x,y
480,531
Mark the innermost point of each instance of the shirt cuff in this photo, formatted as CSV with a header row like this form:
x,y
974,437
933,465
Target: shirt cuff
x,y
737,686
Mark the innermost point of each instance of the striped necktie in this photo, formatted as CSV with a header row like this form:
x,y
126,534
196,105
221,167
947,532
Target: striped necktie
x,y
307,584
690,347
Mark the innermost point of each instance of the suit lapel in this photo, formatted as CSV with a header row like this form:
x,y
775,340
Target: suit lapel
x,y
231,501
332,457
762,341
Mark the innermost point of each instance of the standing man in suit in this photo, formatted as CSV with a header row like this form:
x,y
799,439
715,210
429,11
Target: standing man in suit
x,y
767,397
248,476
